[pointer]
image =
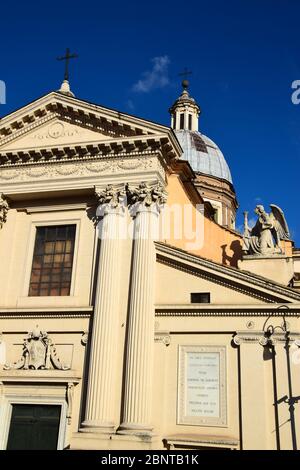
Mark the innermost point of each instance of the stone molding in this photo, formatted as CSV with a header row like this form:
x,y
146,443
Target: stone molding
x,y
212,269
84,150
250,337
84,114
216,312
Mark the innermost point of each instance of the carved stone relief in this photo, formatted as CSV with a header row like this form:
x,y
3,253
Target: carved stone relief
x,y
39,352
3,210
79,168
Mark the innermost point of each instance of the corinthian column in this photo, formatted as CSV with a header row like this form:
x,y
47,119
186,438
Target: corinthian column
x,y
146,201
100,407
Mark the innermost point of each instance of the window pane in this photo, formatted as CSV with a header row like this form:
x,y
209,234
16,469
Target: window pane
x,y
59,247
66,276
37,262
55,289
43,289
34,289
58,260
65,289
49,247
52,261
35,275
39,247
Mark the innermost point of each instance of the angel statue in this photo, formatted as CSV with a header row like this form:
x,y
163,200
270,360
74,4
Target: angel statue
x,y
264,238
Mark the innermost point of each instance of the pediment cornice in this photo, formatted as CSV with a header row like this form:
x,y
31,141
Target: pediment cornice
x,y
124,133
131,146
233,278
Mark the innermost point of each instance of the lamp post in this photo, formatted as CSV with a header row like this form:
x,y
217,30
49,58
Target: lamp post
x,y
289,399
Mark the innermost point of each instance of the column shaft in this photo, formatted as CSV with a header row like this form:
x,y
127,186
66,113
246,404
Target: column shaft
x,y
100,409
140,339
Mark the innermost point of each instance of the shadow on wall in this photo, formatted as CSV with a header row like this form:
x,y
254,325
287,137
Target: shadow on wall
x,y
235,253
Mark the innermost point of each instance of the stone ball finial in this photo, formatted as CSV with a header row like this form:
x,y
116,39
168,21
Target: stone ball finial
x,y
185,84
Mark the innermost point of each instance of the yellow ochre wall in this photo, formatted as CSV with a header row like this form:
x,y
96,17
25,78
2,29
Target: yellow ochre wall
x,y
220,245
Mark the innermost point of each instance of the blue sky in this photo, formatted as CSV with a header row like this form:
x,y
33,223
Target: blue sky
x,y
244,56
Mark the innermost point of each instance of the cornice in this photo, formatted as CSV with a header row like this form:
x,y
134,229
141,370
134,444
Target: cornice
x,y
81,112
197,440
125,147
210,310
40,376
252,337
275,290
46,312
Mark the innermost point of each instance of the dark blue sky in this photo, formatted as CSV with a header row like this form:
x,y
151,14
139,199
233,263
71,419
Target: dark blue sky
x,y
244,56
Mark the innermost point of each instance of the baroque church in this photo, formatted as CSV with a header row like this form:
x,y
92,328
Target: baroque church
x,y
133,315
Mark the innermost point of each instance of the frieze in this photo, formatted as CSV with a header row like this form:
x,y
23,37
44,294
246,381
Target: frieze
x,y
78,168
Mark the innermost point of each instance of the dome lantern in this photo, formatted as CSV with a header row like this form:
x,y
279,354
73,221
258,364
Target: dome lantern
x,y
185,111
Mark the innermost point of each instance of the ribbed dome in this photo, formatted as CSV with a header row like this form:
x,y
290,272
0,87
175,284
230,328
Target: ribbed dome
x,y
203,154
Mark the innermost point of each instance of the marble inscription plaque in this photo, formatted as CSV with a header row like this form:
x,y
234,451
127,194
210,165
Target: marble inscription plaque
x,y
202,387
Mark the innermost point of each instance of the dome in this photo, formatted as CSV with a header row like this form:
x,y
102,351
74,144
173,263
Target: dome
x,y
203,154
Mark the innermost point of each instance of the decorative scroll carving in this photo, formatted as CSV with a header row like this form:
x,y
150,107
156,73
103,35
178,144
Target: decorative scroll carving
x,y
3,210
162,337
250,337
84,338
39,352
264,238
265,339
147,194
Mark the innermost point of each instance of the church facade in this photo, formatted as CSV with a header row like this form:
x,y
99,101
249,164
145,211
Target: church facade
x,y
132,314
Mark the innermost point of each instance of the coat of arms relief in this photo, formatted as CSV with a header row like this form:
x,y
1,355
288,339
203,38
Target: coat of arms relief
x,y
39,353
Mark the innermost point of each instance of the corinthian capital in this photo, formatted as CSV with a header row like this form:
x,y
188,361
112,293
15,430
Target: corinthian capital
x,y
3,210
147,194
113,196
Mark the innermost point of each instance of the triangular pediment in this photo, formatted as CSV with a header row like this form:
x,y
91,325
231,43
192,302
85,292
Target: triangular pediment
x,y
226,285
57,132
57,121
